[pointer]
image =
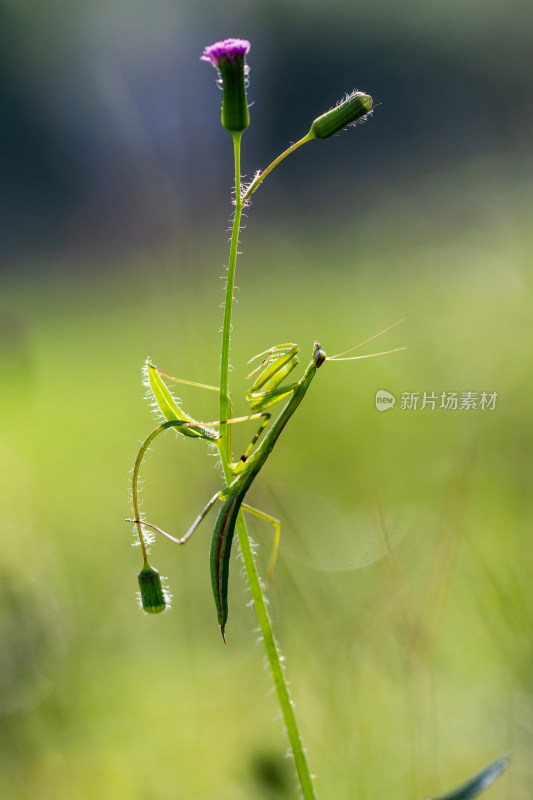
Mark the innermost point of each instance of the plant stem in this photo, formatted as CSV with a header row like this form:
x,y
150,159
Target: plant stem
x,y
265,624
274,659
225,430
257,180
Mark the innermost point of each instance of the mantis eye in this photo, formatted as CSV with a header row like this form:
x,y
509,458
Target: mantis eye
x,y
318,355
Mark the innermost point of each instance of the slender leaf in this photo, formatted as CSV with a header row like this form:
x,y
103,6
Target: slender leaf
x,y
171,410
479,782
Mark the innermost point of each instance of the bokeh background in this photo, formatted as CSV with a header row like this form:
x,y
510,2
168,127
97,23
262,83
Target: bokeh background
x,y
402,598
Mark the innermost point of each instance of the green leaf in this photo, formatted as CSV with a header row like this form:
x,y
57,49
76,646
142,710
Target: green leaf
x,y
479,782
171,410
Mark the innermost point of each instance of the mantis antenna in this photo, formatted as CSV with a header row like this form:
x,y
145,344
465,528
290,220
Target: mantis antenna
x,y
353,358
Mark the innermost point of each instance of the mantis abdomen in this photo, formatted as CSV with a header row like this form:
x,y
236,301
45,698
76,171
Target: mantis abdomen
x,y
221,542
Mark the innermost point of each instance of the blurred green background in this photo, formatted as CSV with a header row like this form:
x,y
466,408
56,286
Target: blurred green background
x,y
410,663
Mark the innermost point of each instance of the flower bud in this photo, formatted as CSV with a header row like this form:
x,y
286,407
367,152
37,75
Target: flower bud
x,y
153,596
228,57
348,111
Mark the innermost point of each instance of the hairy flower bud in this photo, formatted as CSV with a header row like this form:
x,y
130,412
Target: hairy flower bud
x,y
153,596
228,57
348,111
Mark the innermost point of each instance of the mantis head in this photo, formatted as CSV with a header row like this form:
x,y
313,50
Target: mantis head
x,y
318,355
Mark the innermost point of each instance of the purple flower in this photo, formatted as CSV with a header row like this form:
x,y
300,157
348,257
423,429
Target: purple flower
x,y
228,58
231,49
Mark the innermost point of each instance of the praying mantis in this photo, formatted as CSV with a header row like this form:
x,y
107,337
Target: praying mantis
x,y
267,389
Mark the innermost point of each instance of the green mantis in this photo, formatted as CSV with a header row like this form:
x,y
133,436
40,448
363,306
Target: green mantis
x,y
267,389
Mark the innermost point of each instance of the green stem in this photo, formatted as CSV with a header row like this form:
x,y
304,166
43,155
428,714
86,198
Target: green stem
x,y
135,490
265,624
260,178
274,659
225,430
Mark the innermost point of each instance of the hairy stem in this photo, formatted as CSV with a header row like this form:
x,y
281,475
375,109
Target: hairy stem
x,y
260,178
135,489
225,430
274,660
265,624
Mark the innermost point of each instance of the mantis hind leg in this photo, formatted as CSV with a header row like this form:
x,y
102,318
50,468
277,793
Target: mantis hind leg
x,y
277,531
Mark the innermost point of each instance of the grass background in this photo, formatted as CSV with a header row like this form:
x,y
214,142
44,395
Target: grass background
x,y
410,671
418,661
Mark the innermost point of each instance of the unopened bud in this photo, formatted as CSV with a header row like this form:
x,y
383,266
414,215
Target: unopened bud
x,y
228,57
348,111
153,596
